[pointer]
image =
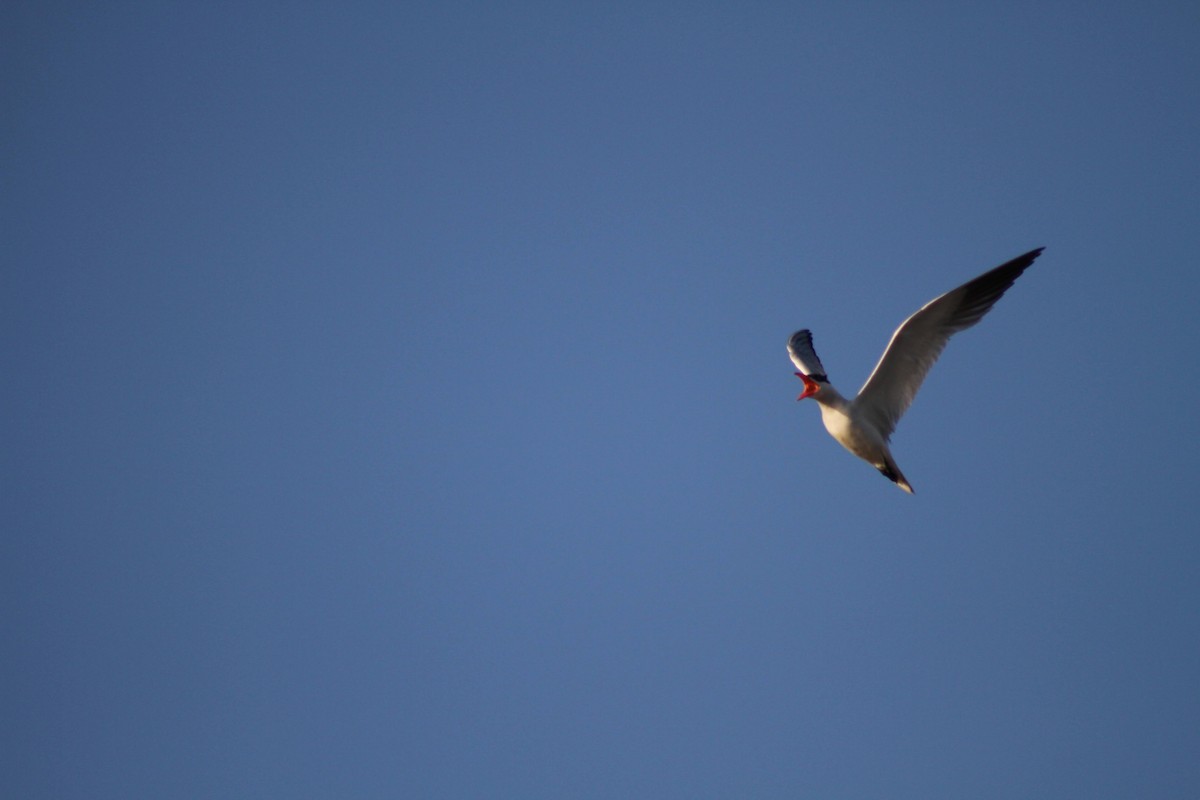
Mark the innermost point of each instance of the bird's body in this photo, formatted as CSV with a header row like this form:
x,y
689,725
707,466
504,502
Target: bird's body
x,y
859,437
864,425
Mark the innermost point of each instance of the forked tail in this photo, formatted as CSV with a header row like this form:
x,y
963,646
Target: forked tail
x,y
893,474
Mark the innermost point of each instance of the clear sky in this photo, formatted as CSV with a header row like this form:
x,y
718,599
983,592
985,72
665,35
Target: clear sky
x,y
395,400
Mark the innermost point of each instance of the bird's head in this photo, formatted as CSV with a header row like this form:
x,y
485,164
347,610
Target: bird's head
x,y
811,387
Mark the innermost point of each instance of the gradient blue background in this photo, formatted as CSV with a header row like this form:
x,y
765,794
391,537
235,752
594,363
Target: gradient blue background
x,y
395,401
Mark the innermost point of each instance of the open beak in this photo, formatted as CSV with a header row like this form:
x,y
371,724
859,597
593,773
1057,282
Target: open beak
x,y
810,386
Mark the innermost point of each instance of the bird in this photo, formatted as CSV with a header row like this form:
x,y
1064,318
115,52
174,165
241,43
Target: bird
x,y
864,425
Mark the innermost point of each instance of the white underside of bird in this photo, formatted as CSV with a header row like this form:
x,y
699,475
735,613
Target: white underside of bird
x,y
864,424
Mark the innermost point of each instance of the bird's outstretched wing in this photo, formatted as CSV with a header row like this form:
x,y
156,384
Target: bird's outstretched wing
x,y
804,357
920,339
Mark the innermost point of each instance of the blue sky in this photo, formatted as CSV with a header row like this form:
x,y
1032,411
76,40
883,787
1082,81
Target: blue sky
x,y
396,401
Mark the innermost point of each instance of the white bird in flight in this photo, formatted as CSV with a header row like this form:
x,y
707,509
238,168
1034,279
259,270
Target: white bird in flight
x,y
864,425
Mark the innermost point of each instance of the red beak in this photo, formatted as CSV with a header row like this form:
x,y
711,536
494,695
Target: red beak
x,y
810,386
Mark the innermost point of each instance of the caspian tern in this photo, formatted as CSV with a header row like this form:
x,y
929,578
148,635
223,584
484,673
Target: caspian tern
x,y
864,425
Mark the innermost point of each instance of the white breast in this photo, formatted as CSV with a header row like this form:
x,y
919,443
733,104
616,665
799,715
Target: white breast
x,y
862,440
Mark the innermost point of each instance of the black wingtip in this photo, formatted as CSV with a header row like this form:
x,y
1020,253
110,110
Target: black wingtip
x,y
1026,259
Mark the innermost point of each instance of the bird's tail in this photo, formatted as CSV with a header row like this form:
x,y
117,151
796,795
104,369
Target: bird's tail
x,y
893,473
